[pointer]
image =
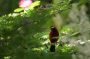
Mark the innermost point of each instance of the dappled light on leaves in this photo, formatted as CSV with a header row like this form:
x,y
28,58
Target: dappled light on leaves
x,y
24,34
7,57
38,49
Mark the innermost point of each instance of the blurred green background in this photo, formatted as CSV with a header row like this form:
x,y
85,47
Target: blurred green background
x,y
24,34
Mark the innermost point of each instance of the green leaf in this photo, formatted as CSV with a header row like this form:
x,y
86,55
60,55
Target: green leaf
x,y
66,29
34,4
18,10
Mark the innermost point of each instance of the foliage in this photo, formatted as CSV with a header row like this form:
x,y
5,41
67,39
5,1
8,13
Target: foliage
x,y
24,35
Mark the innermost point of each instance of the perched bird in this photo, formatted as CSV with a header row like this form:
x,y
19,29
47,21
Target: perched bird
x,y
25,4
53,37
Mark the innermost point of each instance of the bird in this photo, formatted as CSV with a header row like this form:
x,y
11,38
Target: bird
x,y
25,4
53,37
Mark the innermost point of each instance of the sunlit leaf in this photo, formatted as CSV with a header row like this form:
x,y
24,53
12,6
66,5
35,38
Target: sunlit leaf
x,y
34,4
66,29
18,10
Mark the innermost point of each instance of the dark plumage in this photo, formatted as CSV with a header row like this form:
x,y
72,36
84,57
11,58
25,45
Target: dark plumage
x,y
53,37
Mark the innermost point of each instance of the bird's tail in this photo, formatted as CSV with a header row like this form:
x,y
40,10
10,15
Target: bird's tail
x,y
52,48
